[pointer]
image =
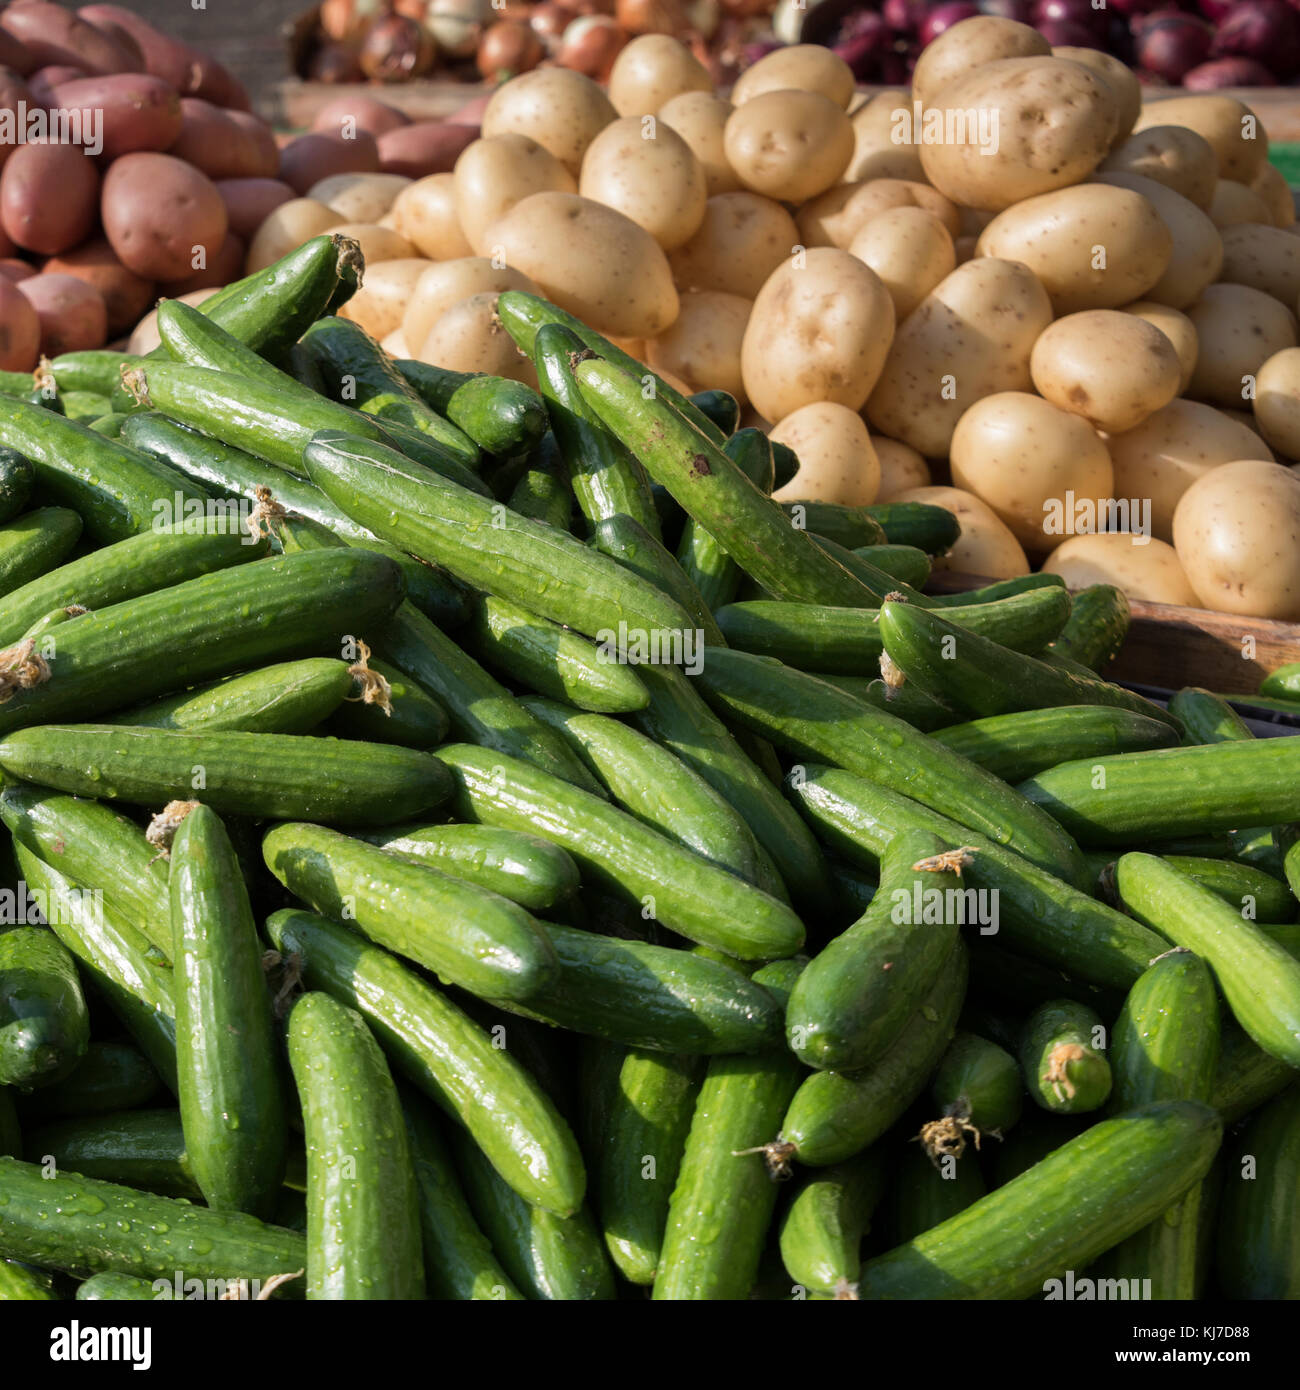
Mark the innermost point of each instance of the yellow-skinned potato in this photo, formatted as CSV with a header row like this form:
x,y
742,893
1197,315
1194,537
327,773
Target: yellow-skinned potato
x,y
1172,155
469,338
377,243
646,171
1124,86
788,145
703,346
1271,185
911,251
562,110
985,547
425,214
1237,533
1277,402
1234,204
837,462
1093,247
901,467
1113,369
1239,329
876,152
651,70
819,331
1197,247
1164,455
807,67
590,260
1140,566
1230,126
839,214
359,197
1265,258
1016,128
449,282
1178,328
972,44
395,344
379,306
494,174
971,336
700,119
1025,457
741,241
286,228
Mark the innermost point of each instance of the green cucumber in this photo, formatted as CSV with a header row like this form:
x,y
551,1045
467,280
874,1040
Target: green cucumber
x,y
905,563
1282,684
363,1230
231,1100
822,1228
846,641
447,1055
1098,625
1258,896
503,417
906,702
1020,745
852,527
1207,718
880,582
542,494
290,697
35,543
1256,1253
1260,981
980,1082
459,1263
1247,1076
1170,792
725,1196
11,1143
721,407
678,889
110,426
97,371
932,529
1020,983
17,479
110,1076
118,1288
19,1284
811,719
1063,1061
856,995
1080,1200
261,775
1001,588
138,1148
927,1192
524,868
400,711
624,539
44,1027
207,627
835,1115
552,660
85,405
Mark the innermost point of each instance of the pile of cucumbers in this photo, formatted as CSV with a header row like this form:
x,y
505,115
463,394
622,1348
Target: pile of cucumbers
x,y
469,842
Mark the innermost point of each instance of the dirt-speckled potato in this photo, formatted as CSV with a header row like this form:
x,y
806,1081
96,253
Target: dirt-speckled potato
x,y
788,145
1114,369
1016,128
819,331
469,338
494,174
700,119
49,196
425,214
985,547
379,305
877,153
837,462
126,296
359,197
651,70
1178,328
911,251
806,67
1139,566
741,241
158,212
645,170
901,467
1238,329
840,213
1277,402
1237,533
287,227
1197,247
1230,126
1265,258
969,45
71,313
449,282
971,336
1119,77
1172,155
1164,455
703,346
1092,247
1271,185
1234,204
562,110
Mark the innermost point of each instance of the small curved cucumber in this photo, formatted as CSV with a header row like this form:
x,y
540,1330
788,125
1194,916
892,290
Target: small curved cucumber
x,y
906,563
44,1027
119,1288
1258,896
721,407
17,479
1284,683
1098,623
980,1081
1206,717
503,417
822,1229
110,1076
1064,1065
932,529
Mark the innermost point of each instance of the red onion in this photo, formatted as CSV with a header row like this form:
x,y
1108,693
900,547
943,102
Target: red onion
x,y
866,45
334,62
1131,9
1266,30
1078,12
1215,10
1171,43
1069,33
1228,72
396,49
944,17
905,16
893,70
1150,79
759,48
1019,10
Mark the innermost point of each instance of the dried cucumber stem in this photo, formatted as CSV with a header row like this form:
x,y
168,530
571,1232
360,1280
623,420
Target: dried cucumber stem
x,y
946,1137
237,1290
162,829
290,968
350,258
1056,1074
950,861
43,378
265,514
776,1158
375,690
891,674
75,610
22,667
846,1292
135,384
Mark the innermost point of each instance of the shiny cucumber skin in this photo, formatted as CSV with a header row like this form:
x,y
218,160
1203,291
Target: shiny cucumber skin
x,y
814,720
881,583
906,563
503,417
1133,797
44,1027
117,1288
725,1197
835,1115
924,1193
1259,979
18,1284
138,1148
363,1229
1257,895
298,605
110,1076
932,529
1247,1076
981,1081
467,936
290,697
412,718
1081,1199
543,494
1098,624
1064,1066
227,1066
1021,745
1207,718
528,870
265,775
446,1054
906,702
33,544
123,966
690,896
106,1227
721,407
17,479
822,1228
852,527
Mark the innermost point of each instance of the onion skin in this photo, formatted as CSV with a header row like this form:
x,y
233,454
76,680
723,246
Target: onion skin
x,y
1171,44
1228,72
1267,31
507,49
943,17
591,45
334,62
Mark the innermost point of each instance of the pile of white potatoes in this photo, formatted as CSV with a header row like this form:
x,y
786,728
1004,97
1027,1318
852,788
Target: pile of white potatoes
x,y
1016,290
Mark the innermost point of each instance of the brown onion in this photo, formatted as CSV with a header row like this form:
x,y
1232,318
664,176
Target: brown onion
x,y
345,21
591,44
650,16
549,22
396,49
334,62
507,49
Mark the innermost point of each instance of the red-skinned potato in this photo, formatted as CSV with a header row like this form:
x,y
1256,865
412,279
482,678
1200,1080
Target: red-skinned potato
x,y
224,144
311,158
48,196
249,202
71,313
14,270
15,55
261,142
343,115
140,112
157,210
223,267
13,90
20,330
126,295
52,34
43,82
424,148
